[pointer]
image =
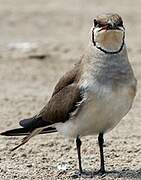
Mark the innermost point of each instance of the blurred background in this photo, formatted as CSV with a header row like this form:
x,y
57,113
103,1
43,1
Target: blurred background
x,y
39,41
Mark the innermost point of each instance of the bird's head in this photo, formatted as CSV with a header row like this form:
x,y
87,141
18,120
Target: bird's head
x,y
108,33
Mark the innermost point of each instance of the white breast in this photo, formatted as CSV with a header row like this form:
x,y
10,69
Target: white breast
x,y
101,111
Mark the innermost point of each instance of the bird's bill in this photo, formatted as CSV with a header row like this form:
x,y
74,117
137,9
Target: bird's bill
x,y
107,28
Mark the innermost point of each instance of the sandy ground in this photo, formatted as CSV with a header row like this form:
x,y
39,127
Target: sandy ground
x,y
57,30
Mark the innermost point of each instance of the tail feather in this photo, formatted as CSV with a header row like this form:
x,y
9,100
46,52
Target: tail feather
x,y
28,132
25,131
26,139
22,143
16,132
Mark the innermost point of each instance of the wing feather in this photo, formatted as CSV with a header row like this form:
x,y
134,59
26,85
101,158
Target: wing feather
x,y
63,102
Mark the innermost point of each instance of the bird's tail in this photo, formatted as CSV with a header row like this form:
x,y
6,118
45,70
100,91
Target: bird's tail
x,y
28,132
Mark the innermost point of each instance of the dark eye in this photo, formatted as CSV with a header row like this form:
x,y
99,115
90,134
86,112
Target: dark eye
x,y
98,23
120,23
95,22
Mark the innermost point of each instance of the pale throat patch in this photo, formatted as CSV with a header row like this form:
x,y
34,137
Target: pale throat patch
x,y
109,40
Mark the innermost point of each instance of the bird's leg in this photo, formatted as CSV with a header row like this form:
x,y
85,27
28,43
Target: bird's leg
x,y
101,141
78,145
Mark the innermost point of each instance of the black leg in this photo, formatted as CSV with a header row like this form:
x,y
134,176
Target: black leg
x,y
78,145
101,141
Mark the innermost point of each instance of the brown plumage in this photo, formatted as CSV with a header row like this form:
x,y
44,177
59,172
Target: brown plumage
x,y
62,103
64,99
105,18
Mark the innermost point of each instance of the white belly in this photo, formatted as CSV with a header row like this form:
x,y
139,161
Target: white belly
x,y
99,113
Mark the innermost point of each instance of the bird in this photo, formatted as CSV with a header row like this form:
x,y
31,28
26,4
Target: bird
x,y
92,97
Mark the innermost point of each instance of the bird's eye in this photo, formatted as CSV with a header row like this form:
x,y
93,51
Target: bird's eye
x,y
95,22
120,23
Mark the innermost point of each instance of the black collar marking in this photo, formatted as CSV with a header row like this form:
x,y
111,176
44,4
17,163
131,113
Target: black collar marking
x,y
107,52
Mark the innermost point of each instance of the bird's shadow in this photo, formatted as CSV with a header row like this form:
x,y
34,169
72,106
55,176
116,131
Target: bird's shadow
x,y
129,174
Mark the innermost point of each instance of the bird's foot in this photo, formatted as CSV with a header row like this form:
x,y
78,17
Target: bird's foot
x,y
83,174
101,172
